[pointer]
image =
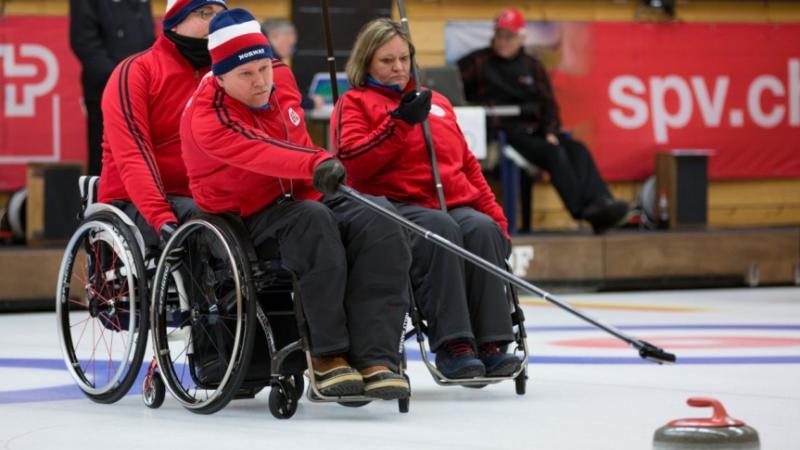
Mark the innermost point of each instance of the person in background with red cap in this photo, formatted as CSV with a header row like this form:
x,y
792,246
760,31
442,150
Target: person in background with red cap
x,y
143,172
247,152
376,131
503,74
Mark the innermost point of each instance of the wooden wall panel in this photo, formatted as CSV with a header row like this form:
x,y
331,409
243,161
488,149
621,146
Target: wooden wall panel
x,y
564,258
29,274
666,254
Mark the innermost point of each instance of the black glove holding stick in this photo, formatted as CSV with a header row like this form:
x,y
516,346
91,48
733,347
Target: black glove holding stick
x,y
327,177
414,107
175,256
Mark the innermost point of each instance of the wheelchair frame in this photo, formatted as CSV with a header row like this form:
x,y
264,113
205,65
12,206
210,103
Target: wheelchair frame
x,y
520,376
285,393
106,225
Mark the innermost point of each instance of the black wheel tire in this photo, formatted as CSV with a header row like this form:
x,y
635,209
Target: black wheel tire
x,y
153,394
402,404
119,391
355,404
237,257
521,381
282,401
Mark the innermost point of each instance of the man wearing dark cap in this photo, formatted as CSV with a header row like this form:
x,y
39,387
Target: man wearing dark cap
x,y
143,172
247,152
503,74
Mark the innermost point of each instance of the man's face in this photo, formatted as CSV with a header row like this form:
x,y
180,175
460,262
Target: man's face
x,y
507,43
195,25
249,83
391,63
283,42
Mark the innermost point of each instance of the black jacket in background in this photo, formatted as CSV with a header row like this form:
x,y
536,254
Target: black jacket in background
x,y
104,32
522,80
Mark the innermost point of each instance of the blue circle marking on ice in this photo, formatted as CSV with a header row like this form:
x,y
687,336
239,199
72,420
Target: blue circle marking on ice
x,y
71,391
50,393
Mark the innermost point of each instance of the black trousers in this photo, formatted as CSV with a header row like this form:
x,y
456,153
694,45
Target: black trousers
x,y
183,207
94,125
458,299
570,164
352,269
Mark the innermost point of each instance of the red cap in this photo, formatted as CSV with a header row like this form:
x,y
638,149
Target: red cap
x,y
511,19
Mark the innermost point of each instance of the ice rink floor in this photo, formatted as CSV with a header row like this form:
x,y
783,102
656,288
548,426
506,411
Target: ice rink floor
x,y
741,346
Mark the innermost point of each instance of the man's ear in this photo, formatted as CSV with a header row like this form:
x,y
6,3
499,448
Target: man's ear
x,y
220,81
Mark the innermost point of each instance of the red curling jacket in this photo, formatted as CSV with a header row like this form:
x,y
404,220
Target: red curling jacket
x,y
142,106
388,157
242,160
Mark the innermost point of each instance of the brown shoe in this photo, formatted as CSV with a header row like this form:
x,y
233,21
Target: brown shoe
x,y
382,383
335,377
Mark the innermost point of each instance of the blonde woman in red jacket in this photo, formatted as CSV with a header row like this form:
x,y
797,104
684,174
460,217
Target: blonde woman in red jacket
x,y
377,135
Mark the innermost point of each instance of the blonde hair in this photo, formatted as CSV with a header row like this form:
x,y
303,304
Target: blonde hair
x,y
372,36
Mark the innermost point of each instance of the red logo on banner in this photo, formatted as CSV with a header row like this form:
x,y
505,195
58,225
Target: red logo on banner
x,y
631,90
41,118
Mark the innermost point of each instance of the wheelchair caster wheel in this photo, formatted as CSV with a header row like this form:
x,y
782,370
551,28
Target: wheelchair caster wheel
x,y
520,382
282,400
402,404
354,404
153,391
298,383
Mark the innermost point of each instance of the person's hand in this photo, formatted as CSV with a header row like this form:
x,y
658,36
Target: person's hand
x,y
166,232
319,102
552,138
328,175
175,256
414,107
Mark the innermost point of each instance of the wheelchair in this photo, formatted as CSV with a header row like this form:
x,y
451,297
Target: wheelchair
x,y
101,299
224,317
419,330
227,322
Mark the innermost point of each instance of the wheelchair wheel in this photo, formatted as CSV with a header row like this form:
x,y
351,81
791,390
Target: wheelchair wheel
x,y
154,392
101,307
521,381
282,400
203,315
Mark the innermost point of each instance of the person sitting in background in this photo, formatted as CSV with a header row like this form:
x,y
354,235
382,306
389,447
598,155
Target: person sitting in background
x,y
503,74
282,37
377,133
247,152
143,172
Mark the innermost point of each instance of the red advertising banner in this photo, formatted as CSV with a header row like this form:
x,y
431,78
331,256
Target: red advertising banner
x,y
632,90
41,117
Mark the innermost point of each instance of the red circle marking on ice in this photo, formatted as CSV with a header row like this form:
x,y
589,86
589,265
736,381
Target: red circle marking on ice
x,y
679,342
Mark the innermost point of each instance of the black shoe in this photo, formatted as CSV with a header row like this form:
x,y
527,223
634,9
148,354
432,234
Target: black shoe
x,y
386,385
605,213
456,360
334,377
497,363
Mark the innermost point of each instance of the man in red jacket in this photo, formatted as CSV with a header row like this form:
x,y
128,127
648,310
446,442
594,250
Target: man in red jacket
x,y
247,151
143,172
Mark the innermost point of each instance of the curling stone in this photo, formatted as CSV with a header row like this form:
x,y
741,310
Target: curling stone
x,y
719,432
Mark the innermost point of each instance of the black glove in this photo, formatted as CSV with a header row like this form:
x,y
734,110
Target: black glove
x,y
414,107
166,232
327,177
176,255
